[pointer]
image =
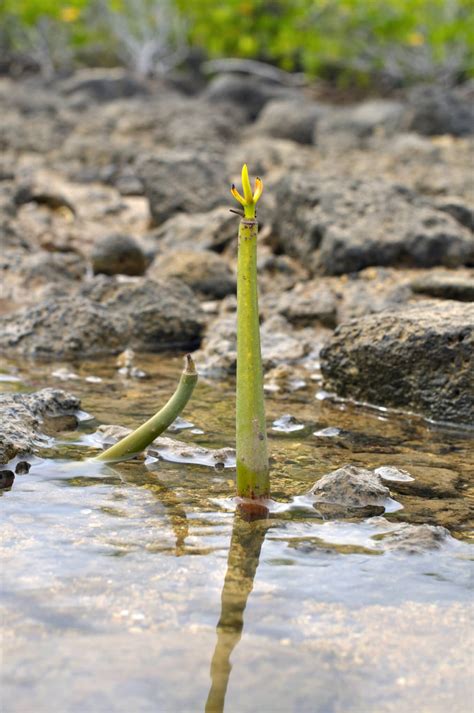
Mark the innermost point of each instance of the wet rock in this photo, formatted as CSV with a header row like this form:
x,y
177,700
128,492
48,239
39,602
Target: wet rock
x,y
249,94
103,85
453,285
353,488
203,271
453,513
205,231
118,255
435,110
418,359
7,478
415,539
285,379
69,328
353,127
22,467
289,119
339,225
172,450
393,474
23,417
287,424
153,315
180,452
127,368
429,482
180,181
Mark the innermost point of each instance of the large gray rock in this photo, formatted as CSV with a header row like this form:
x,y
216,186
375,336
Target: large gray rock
x,y
156,315
434,110
106,317
337,225
354,126
118,255
69,328
419,359
23,417
204,271
103,85
249,94
352,486
204,231
178,181
289,119
452,285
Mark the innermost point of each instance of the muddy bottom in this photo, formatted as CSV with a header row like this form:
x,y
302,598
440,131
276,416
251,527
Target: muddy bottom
x,y
138,588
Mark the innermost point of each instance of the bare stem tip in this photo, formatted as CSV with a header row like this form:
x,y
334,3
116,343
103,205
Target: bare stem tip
x,y
189,365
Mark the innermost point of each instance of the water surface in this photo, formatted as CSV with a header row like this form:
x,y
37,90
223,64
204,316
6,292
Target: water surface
x,y
137,588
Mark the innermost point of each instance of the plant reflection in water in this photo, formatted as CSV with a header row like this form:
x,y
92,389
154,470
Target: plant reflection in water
x,y
248,535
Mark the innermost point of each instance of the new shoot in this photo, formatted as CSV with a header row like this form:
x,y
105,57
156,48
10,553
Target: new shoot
x,y
253,479
138,440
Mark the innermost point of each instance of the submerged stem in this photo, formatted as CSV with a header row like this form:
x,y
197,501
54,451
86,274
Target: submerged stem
x,y
139,439
251,439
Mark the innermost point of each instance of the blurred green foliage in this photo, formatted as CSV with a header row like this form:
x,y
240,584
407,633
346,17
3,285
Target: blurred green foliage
x,y
316,36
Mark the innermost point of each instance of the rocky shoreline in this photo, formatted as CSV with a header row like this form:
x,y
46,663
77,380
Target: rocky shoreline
x,y
115,231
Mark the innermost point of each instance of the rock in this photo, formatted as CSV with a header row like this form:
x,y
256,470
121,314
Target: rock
x,y
411,148
307,304
415,539
23,419
418,359
103,85
280,345
459,209
393,474
453,285
65,329
30,193
339,225
287,424
180,452
289,119
374,289
178,181
25,275
118,255
171,450
7,478
453,513
214,230
155,315
249,94
353,127
285,379
435,110
353,488
203,271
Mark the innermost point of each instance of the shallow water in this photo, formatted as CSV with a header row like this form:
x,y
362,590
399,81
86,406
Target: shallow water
x,y
137,588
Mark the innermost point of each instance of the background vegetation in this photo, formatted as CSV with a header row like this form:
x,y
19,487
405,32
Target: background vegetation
x,y
337,39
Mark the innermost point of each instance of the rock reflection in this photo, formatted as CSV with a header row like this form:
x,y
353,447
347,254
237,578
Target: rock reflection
x,y
248,535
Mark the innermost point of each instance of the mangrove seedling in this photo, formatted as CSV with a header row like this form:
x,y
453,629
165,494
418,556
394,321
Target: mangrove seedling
x,y
253,479
138,440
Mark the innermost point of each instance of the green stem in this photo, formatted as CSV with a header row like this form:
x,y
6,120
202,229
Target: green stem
x,y
137,441
251,439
